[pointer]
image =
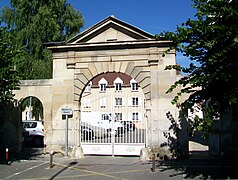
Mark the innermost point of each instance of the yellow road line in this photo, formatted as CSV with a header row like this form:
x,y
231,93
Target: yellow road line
x,y
130,171
62,177
93,172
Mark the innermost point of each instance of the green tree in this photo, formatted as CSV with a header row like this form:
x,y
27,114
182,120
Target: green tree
x,y
9,52
36,22
37,110
210,40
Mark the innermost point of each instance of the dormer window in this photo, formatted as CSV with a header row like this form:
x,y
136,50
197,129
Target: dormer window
x,y
88,87
102,85
118,84
134,85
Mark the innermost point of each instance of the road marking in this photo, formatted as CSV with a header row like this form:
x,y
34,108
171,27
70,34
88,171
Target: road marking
x,y
28,169
92,172
129,171
62,177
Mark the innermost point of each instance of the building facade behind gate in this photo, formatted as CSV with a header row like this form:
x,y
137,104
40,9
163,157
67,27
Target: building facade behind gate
x,y
110,46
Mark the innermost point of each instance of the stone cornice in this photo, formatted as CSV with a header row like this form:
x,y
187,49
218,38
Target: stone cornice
x,y
36,82
108,45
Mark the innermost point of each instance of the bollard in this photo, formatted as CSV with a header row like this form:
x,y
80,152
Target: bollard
x,y
6,155
51,159
222,164
153,162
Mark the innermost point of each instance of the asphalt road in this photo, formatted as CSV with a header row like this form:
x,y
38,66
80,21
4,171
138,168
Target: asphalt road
x,y
107,167
91,167
37,166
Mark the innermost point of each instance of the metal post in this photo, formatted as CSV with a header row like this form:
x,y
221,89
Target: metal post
x,y
222,164
51,159
66,137
153,160
7,156
113,134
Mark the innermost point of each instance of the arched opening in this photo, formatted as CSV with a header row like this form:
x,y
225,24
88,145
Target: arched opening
x,y
32,109
32,116
112,115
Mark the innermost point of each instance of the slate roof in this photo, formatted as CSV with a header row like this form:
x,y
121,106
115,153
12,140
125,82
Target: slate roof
x,y
110,77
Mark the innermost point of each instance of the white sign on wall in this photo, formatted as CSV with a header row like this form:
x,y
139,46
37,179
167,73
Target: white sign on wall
x,y
67,111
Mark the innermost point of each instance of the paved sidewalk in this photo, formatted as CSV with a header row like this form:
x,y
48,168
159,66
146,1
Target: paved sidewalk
x,y
108,167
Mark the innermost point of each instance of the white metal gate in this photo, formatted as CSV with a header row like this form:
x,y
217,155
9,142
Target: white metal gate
x,y
109,126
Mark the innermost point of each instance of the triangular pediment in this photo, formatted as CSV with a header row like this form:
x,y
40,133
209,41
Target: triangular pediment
x,y
110,29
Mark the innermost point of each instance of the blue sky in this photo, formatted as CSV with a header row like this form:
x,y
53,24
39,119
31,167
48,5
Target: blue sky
x,y
152,16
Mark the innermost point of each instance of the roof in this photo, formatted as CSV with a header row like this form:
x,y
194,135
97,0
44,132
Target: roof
x,y
111,22
110,78
109,33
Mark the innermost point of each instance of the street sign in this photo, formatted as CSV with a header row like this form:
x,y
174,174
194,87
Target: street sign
x,y
67,111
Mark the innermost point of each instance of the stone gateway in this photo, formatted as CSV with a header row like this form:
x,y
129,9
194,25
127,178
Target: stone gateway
x,y
110,46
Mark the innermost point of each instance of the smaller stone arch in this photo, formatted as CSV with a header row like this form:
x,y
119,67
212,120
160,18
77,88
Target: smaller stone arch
x,y
31,108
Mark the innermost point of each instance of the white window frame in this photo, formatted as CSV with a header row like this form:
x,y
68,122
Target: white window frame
x,y
103,102
87,103
105,117
134,85
118,116
103,88
135,101
135,116
102,85
118,101
118,84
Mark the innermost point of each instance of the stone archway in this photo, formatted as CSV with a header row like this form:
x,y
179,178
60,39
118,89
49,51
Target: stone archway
x,y
109,46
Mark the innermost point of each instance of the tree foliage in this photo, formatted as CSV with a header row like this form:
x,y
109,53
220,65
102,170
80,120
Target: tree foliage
x,y
210,40
9,52
37,107
36,22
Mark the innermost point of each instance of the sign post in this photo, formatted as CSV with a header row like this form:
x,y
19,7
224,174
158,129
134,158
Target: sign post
x,y
66,111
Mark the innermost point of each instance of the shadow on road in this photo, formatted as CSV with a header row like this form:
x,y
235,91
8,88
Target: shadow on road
x,y
27,153
62,170
200,168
